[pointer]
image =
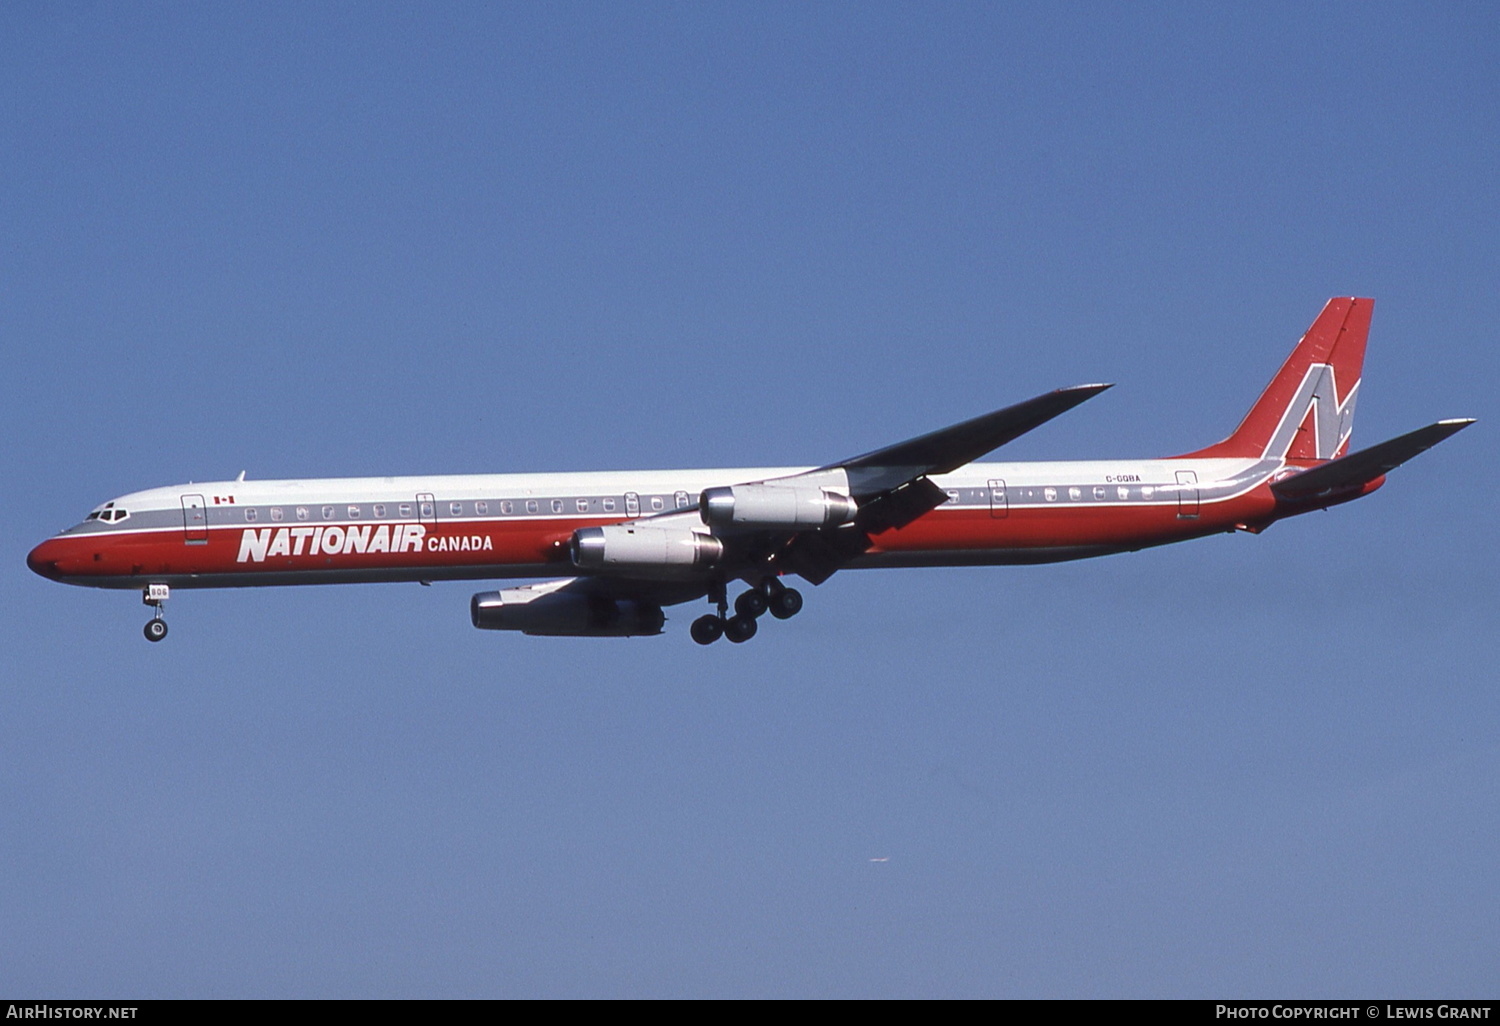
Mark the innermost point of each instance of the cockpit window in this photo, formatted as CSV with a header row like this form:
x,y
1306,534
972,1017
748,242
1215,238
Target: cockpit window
x,y
108,513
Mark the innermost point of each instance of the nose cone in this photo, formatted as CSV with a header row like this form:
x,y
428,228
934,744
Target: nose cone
x,y
43,559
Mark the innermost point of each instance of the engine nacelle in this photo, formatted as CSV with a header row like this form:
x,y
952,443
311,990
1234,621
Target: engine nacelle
x,y
785,507
563,614
621,546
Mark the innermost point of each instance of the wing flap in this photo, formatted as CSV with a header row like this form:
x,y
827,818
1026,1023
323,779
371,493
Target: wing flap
x,y
892,483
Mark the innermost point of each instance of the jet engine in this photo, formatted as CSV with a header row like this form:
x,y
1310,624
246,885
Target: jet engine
x,y
628,546
541,611
775,507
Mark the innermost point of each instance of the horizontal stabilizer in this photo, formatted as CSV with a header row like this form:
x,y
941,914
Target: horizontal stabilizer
x,y
1360,468
949,448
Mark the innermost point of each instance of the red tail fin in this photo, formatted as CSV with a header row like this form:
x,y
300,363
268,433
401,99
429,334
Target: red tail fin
x,y
1307,411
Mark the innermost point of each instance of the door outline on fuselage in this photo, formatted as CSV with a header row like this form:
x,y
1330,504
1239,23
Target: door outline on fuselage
x,y
999,503
426,508
1187,495
194,520
632,504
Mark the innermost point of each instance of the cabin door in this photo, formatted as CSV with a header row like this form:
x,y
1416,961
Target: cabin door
x,y
999,504
194,520
1187,494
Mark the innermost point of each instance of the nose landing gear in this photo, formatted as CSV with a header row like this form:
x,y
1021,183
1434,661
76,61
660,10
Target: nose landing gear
x,y
154,595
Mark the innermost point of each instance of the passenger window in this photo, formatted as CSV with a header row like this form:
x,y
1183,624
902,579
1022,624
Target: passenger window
x,y
276,513
609,505
327,512
557,505
1123,493
531,506
405,509
353,512
583,505
456,508
250,513
380,511
482,508
1050,494
682,500
1147,491
507,507
656,502
953,496
1099,492
301,512
1075,494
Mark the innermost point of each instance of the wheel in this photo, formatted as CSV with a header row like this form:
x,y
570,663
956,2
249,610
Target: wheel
x,y
156,630
707,629
740,629
751,604
787,604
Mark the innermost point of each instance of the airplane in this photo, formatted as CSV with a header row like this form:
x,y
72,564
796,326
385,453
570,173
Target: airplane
x,y
617,548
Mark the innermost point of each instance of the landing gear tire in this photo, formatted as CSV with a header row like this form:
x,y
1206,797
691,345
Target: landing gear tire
x,y
740,629
155,630
707,629
787,604
751,604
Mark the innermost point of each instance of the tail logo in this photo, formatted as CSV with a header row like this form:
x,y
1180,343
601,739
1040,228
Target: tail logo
x,y
1315,425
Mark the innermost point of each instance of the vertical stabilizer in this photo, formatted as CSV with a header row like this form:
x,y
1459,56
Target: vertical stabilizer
x,y
1307,411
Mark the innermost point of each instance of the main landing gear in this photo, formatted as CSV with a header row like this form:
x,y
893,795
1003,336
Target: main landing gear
x,y
153,596
770,596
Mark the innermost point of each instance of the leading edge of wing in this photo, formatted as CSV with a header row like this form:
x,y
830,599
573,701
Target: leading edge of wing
x,y
947,449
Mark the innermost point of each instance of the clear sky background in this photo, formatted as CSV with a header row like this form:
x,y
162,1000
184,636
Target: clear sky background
x,y
327,240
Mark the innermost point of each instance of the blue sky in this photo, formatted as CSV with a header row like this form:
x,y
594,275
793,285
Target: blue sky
x,y
318,240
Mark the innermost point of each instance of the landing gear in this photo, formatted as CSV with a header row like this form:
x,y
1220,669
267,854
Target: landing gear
x,y
740,629
782,602
751,604
707,629
154,595
787,604
769,596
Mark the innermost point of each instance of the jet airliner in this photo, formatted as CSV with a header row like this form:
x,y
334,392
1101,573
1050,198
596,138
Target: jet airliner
x,y
614,549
